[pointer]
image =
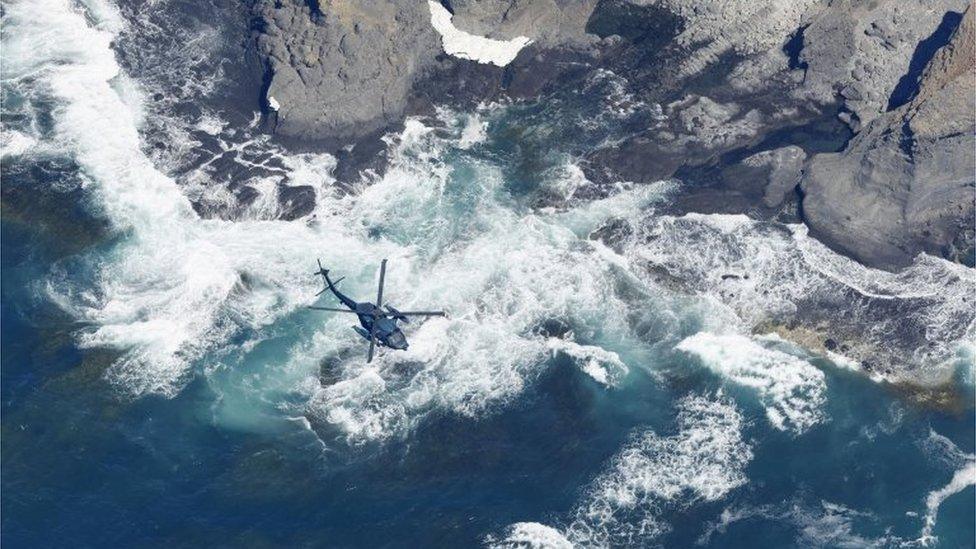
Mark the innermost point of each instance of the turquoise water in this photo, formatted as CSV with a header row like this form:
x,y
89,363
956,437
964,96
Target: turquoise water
x,y
163,383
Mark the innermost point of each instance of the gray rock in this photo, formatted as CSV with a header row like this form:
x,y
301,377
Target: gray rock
x,y
859,51
905,183
343,68
549,23
784,165
727,78
694,131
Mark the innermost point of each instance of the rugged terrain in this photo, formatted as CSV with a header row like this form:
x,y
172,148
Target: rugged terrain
x,y
863,110
855,119
645,343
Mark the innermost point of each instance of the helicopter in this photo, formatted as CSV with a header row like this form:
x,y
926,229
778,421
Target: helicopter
x,y
378,326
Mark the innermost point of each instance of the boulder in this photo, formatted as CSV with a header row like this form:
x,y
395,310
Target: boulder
x,y
342,69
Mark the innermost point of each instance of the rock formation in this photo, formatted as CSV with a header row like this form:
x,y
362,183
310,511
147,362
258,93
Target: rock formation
x,y
904,184
342,68
867,106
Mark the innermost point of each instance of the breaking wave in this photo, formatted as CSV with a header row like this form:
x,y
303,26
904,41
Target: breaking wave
x,y
193,284
774,277
791,389
180,295
531,535
182,292
702,461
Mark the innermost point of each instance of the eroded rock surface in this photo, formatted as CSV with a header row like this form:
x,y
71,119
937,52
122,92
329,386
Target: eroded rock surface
x,y
745,100
342,68
905,185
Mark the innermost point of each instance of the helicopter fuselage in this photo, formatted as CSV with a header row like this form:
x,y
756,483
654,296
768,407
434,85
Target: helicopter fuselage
x,y
377,321
388,333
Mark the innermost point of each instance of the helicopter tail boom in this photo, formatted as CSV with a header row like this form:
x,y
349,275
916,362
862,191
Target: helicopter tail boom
x,y
330,285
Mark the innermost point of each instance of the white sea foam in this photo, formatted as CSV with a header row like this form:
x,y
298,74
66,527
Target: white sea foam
x,y
15,143
161,294
79,70
619,103
210,123
178,289
771,273
791,389
941,449
961,479
475,131
531,535
469,46
629,203
824,525
603,366
703,461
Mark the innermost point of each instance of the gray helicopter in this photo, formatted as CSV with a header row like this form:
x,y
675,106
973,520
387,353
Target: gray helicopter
x,y
378,326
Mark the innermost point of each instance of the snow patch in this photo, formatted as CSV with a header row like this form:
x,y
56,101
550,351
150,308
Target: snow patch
x,y
469,46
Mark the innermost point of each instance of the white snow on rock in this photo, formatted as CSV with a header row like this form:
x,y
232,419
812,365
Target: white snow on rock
x,y
469,46
273,103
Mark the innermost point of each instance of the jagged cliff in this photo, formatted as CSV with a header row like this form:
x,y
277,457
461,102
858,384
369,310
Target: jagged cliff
x,y
863,110
904,184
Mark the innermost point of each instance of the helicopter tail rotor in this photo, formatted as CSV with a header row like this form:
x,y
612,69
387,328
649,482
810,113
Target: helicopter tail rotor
x,y
322,270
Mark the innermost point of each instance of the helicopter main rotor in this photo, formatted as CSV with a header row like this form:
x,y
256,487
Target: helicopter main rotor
x,y
375,311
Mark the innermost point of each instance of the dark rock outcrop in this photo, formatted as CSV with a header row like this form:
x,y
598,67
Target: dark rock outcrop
x,y
342,69
746,100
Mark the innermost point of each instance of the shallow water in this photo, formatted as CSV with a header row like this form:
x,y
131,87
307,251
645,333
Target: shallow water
x,y
163,382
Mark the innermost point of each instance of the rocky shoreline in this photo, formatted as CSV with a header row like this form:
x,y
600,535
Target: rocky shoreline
x,y
856,120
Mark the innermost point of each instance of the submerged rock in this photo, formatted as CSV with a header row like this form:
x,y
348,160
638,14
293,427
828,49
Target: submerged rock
x,y
295,202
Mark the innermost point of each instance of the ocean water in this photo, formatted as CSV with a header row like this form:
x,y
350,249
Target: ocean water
x,y
164,384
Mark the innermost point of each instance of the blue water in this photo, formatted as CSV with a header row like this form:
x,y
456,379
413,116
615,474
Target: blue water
x,y
233,438
82,468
